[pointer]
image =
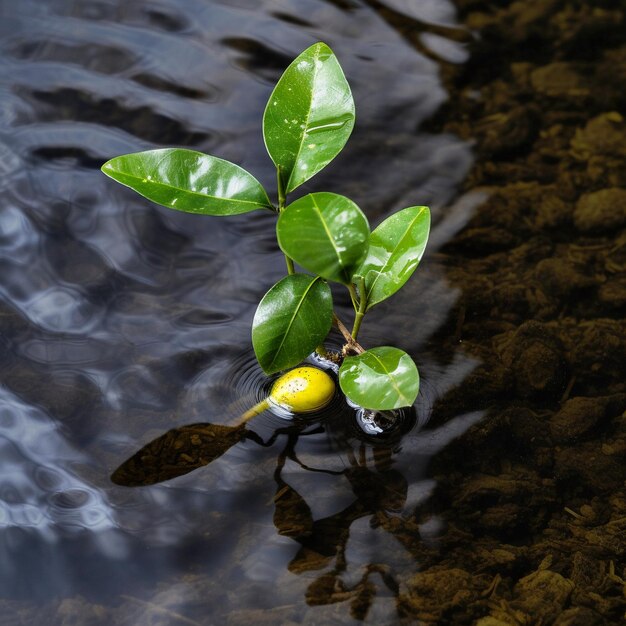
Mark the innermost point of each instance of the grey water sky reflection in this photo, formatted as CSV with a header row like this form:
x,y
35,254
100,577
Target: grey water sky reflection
x,y
120,320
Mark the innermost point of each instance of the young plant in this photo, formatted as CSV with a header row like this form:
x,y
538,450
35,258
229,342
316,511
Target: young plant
x,y
307,121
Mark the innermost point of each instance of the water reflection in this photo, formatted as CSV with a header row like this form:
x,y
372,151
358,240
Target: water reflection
x,y
39,491
120,321
378,491
177,452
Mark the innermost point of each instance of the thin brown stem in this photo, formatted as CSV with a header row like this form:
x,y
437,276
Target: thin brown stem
x,y
351,344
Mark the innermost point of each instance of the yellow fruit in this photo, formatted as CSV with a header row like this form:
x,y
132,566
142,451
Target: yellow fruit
x,y
303,390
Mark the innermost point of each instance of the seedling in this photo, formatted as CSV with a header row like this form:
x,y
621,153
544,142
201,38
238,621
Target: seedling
x,y
308,120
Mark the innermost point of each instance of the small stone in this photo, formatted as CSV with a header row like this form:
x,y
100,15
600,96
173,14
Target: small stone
x,y
601,211
500,133
553,212
535,359
561,276
595,349
603,135
576,417
543,592
437,591
560,80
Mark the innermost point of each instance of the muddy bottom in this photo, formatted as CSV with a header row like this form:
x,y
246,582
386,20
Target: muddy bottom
x,y
534,495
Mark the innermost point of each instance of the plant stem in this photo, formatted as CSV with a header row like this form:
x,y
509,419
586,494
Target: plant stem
x,y
350,342
361,310
255,410
342,328
357,324
281,207
353,297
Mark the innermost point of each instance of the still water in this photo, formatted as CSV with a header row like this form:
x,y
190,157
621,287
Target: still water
x,y
502,498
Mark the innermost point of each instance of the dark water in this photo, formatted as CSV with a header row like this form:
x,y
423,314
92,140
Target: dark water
x,y
504,503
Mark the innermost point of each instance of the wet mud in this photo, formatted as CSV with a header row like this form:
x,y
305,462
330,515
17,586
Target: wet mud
x,y
534,495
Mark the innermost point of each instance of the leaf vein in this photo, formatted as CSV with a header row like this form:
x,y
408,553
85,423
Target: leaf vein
x,y
308,116
394,384
291,321
328,233
387,263
153,183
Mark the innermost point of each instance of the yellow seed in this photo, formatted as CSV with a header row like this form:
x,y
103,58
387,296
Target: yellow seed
x,y
303,390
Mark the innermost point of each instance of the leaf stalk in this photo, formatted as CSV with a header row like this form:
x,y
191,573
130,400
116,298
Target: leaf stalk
x,y
354,297
358,318
281,207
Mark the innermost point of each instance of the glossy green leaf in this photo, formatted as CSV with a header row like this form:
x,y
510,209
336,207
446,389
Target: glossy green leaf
x,y
395,249
325,233
382,378
189,181
292,319
309,116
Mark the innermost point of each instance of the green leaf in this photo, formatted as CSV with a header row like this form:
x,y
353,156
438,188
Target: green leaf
x,y
309,116
382,378
325,233
292,319
395,250
189,181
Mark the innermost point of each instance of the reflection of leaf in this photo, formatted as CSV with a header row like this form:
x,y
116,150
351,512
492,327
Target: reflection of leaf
x,y
177,452
326,589
385,490
363,599
292,515
329,536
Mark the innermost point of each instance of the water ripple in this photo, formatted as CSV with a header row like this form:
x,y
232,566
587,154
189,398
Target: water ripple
x,y
121,321
37,479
